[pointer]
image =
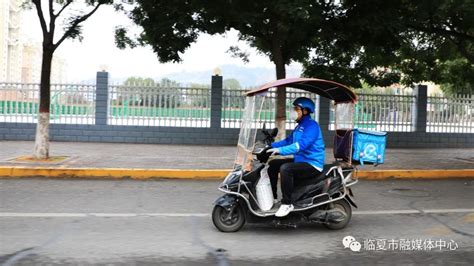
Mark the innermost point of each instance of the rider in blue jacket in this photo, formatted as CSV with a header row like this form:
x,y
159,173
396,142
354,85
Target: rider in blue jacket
x,y
307,145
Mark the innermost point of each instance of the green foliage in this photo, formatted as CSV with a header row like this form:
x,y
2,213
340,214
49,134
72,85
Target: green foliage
x,y
231,84
455,76
351,41
122,41
168,83
278,29
366,88
139,81
385,42
236,52
140,91
198,85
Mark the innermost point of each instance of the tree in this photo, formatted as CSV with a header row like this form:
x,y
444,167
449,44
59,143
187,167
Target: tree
x,y
444,34
403,41
72,30
279,29
139,81
443,21
132,92
139,91
231,84
169,83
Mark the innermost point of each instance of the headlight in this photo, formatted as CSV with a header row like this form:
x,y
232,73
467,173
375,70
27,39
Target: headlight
x,y
232,177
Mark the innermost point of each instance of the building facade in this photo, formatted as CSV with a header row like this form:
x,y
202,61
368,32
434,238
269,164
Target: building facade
x,y
20,58
10,40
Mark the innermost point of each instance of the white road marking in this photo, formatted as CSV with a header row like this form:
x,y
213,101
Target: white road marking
x,y
415,211
164,214
67,215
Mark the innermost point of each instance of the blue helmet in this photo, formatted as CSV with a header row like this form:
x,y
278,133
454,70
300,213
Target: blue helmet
x,y
305,103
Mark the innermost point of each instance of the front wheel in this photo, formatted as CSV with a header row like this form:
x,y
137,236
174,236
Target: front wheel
x,y
228,220
344,206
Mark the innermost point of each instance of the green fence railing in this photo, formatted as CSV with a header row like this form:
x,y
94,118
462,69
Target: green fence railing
x,y
29,108
126,111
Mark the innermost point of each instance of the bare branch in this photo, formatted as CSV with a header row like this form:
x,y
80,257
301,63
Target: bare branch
x,y
51,7
41,16
52,18
62,9
75,23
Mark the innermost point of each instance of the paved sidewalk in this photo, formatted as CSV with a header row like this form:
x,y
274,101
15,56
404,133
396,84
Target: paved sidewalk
x,y
151,156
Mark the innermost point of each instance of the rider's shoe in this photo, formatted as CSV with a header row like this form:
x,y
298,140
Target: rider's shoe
x,y
284,210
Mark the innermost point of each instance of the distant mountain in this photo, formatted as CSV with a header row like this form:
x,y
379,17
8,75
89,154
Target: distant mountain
x,y
247,76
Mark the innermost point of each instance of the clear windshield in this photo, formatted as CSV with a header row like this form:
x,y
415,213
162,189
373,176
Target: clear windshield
x,y
248,131
344,114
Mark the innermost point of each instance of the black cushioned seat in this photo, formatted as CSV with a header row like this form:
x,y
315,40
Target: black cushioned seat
x,y
317,178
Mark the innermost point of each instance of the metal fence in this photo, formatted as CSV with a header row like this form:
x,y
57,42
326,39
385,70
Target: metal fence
x,y
233,103
383,112
159,106
70,103
450,114
172,106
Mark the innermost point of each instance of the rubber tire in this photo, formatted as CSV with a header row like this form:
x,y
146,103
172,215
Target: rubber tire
x,y
344,205
218,212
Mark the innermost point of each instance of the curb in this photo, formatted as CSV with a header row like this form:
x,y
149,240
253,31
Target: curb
x,y
214,174
112,173
416,174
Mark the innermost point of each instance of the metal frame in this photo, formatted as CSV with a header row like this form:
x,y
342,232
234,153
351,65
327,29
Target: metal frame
x,y
450,114
338,170
351,127
70,103
263,91
233,102
155,105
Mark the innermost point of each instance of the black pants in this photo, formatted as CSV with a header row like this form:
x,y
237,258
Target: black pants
x,y
289,171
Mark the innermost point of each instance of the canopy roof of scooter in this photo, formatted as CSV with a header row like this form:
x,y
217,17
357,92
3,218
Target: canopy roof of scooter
x,y
326,88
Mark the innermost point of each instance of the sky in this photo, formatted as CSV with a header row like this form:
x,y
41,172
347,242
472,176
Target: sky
x,y
97,50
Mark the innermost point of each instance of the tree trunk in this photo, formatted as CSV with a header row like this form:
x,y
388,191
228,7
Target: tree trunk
x,y
42,128
281,95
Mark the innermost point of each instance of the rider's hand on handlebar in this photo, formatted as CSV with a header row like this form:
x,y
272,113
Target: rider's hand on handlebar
x,y
273,151
265,149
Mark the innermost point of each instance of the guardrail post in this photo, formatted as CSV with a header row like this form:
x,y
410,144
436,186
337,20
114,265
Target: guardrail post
x,y
419,109
216,101
101,98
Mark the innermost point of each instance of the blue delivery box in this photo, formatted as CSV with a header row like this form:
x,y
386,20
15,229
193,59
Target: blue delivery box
x,y
368,146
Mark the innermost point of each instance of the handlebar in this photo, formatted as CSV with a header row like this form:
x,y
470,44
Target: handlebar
x,y
261,152
269,137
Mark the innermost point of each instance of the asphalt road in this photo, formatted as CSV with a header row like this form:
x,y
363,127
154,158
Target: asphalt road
x,y
167,222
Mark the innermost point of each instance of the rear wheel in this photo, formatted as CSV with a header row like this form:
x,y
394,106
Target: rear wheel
x,y
228,220
344,206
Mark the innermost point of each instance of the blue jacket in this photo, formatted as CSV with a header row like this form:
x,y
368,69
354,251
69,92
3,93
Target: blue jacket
x,y
305,142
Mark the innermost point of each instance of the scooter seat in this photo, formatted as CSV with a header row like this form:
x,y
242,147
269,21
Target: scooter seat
x,y
305,189
316,179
